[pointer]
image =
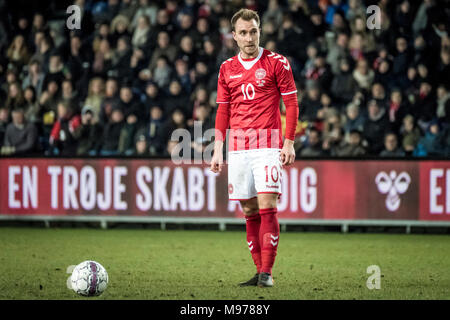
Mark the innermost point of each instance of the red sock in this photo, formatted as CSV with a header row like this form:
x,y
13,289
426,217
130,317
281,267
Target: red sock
x,y
269,234
253,222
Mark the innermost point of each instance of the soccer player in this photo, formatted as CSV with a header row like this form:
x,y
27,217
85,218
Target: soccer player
x,y
249,89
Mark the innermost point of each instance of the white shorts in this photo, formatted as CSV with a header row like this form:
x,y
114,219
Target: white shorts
x,y
253,171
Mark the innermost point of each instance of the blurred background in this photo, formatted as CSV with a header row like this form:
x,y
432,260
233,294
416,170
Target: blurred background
x,y
138,69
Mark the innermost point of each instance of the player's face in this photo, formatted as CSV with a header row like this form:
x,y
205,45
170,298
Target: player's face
x,y
246,35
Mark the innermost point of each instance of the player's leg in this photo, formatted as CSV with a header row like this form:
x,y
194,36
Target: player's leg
x,y
269,236
266,167
241,187
252,222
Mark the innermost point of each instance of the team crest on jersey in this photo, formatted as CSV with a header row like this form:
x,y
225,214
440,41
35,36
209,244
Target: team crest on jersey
x,y
260,74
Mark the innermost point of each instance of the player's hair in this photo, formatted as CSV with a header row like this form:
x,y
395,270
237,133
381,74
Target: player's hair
x,y
245,14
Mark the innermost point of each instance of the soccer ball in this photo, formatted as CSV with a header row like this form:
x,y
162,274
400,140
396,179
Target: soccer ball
x,y
89,278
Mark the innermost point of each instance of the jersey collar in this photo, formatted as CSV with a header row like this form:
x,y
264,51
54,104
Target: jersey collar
x,y
249,64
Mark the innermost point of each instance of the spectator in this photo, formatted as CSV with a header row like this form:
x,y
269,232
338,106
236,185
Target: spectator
x,y
391,148
402,58
18,52
375,126
55,70
397,109
363,75
31,106
186,51
78,60
352,147
443,102
21,137
129,103
141,148
383,75
110,100
127,134
88,133
153,96
177,120
183,75
109,142
145,8
141,33
48,102
121,58
152,130
177,99
343,85
311,103
62,137
410,134
164,48
274,14
313,146
203,33
321,72
119,28
103,58
95,96
354,119
15,96
337,52
424,107
162,72
185,27
378,93
316,27
359,26
430,144
42,55
70,94
34,78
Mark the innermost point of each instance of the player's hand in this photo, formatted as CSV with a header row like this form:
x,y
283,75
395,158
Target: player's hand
x,y
217,158
217,162
287,153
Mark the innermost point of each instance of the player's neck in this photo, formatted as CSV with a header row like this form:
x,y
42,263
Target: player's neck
x,y
245,56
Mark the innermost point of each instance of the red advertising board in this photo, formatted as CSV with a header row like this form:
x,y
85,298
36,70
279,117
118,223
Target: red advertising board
x,y
319,189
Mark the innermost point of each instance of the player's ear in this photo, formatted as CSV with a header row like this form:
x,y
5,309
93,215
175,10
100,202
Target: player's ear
x,y
234,35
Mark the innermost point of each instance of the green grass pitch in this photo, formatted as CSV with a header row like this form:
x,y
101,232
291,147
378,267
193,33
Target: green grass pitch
x,y
153,264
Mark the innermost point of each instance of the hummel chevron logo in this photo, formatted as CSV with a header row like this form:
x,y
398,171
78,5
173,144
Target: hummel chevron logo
x,y
250,246
284,61
274,242
236,76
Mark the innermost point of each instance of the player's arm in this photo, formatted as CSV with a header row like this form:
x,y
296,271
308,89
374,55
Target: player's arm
x,y
222,122
288,151
288,90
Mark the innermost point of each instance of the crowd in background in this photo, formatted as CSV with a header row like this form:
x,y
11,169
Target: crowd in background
x,y
136,70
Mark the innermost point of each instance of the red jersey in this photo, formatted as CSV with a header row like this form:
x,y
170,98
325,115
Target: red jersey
x,y
251,90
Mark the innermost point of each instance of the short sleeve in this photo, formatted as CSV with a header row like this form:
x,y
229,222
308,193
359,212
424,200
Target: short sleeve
x,y
223,92
285,78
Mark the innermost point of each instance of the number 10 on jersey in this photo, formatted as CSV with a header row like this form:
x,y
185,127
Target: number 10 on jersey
x,y
248,91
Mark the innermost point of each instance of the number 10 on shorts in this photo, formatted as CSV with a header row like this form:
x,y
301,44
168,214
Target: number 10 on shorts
x,y
273,173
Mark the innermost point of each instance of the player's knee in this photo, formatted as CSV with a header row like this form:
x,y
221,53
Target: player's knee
x,y
267,204
250,211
